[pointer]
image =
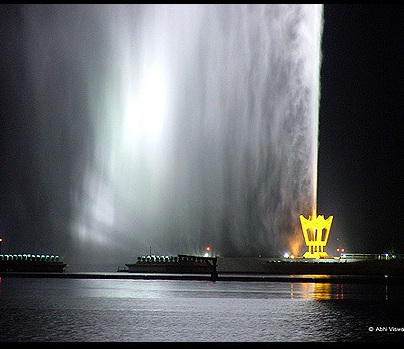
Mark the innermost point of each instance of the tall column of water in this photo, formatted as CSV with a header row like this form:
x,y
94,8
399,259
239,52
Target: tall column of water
x,y
184,125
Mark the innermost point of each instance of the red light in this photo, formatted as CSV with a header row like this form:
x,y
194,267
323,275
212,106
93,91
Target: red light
x,y
208,248
337,249
1,240
342,249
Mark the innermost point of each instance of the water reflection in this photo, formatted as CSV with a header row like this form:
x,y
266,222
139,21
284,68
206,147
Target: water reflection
x,y
203,311
317,291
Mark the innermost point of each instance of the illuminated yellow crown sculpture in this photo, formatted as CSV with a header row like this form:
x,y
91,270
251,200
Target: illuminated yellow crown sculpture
x,y
316,232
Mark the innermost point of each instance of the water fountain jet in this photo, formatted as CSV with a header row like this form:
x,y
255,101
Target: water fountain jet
x,y
178,125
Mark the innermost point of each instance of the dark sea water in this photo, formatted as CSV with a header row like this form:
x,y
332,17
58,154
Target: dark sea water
x,y
105,310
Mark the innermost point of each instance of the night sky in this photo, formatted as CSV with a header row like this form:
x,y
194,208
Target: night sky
x,y
361,129
360,132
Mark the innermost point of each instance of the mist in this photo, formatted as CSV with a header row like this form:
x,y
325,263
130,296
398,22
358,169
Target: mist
x,y
164,126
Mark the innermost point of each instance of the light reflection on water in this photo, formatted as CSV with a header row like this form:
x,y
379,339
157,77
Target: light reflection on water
x,y
192,311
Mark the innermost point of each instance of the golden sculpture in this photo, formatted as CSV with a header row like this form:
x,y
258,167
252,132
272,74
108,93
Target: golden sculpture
x,y
316,231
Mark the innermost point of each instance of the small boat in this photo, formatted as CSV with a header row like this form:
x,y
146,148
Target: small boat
x,y
180,264
31,263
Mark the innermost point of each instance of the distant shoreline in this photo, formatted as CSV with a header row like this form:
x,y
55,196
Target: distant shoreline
x,y
241,277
